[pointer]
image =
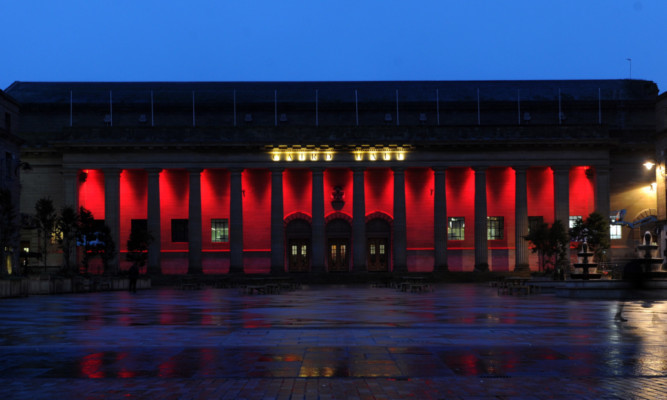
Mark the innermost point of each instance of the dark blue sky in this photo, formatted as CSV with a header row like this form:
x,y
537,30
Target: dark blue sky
x,y
259,40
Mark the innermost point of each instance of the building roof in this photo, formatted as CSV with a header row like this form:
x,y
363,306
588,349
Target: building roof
x,y
331,92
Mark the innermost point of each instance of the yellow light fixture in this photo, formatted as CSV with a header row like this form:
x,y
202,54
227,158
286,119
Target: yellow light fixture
x,y
649,164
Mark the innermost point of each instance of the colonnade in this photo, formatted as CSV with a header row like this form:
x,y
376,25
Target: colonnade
x,y
399,246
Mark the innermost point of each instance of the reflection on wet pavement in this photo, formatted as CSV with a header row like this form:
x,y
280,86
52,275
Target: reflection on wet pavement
x,y
454,332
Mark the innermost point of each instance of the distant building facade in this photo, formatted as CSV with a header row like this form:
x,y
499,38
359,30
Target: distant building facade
x,y
339,177
9,179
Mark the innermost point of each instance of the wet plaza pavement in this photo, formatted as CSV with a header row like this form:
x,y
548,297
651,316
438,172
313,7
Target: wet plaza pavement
x,y
460,341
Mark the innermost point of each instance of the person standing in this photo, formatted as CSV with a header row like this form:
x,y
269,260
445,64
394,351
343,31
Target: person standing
x,y
134,275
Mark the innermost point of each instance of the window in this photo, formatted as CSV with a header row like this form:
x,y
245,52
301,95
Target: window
x,y
534,223
179,230
219,230
573,220
495,228
615,230
138,225
456,229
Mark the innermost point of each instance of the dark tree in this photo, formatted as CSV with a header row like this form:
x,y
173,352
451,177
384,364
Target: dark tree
x,y
9,229
85,236
45,215
137,246
550,243
67,226
594,231
106,248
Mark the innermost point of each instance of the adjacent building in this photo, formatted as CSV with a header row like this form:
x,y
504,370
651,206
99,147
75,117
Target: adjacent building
x,y
9,184
340,177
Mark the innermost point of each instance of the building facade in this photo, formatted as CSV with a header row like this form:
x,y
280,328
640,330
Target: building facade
x,y
338,177
9,184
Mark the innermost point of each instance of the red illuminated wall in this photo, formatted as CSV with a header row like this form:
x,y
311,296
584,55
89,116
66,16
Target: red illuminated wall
x,y
133,202
419,217
257,220
174,198
215,198
419,207
540,191
297,191
461,203
379,190
582,192
214,204
91,192
500,202
342,177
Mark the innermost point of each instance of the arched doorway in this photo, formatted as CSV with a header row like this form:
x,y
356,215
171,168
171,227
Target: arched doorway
x,y
338,233
378,235
297,235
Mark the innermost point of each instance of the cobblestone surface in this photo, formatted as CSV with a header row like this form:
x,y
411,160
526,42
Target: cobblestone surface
x,y
331,342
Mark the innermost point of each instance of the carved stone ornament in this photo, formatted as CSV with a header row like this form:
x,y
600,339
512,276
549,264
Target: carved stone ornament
x,y
337,196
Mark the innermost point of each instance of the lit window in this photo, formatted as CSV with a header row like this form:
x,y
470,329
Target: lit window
x,y
573,220
333,251
295,250
342,250
303,250
381,249
495,228
372,250
219,230
456,229
615,230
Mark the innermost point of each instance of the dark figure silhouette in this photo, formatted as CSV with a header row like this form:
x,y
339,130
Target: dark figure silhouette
x,y
134,275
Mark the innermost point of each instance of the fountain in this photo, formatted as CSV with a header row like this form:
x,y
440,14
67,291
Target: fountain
x,y
647,265
584,265
643,277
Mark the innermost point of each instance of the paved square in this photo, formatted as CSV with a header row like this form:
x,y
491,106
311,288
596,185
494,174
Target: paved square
x,y
460,341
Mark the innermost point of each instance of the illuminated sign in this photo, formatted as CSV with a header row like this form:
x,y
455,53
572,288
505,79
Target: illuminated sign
x,y
309,153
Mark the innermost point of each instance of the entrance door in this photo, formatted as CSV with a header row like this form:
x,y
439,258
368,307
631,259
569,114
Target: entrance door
x,y
377,254
299,251
339,250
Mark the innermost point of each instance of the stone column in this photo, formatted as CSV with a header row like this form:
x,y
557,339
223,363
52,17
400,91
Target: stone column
x,y
71,181
319,236
521,220
236,222
153,221
481,238
400,228
195,223
440,219
602,190
112,212
562,194
359,221
277,224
